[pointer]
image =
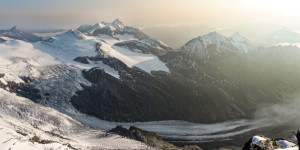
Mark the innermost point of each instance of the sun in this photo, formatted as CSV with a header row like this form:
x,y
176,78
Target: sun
x,y
284,7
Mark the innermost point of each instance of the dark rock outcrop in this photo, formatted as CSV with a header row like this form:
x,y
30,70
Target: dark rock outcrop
x,y
83,60
298,138
29,92
160,95
150,138
2,40
22,89
222,84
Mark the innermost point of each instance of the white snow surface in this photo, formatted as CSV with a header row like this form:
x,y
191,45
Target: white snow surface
x,y
146,62
291,148
198,45
256,139
22,116
286,144
19,58
289,44
73,43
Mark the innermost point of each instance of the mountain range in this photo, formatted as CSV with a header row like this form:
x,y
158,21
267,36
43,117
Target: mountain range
x,y
113,72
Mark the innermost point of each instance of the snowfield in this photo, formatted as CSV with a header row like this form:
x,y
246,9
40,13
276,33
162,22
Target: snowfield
x,y
21,120
18,58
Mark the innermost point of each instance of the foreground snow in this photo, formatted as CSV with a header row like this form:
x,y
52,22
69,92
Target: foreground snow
x,y
285,144
21,120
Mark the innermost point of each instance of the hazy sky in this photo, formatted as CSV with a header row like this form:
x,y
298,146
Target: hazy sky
x,y
245,16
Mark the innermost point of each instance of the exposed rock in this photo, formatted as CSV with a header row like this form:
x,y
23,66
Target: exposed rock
x,y
260,142
83,60
137,92
22,89
2,40
150,138
298,138
29,92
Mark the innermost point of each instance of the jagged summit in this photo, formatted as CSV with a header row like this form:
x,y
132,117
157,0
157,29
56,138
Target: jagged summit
x,y
116,25
236,43
14,28
15,33
118,22
238,37
213,36
112,29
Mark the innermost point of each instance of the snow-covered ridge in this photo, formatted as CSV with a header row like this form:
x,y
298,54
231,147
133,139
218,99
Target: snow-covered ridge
x,y
115,25
238,37
15,33
235,43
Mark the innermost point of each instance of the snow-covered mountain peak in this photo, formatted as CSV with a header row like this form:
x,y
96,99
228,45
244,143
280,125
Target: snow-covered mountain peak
x,y
14,28
212,34
213,37
74,33
236,43
238,37
15,33
118,23
99,25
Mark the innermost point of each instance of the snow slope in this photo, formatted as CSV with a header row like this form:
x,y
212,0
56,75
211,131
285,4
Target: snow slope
x,y
66,47
18,58
146,62
21,120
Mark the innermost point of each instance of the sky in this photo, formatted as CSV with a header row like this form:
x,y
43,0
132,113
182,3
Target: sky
x,y
227,16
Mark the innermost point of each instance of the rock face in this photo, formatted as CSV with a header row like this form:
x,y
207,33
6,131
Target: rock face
x,y
138,92
83,60
21,89
147,137
222,83
15,33
212,78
